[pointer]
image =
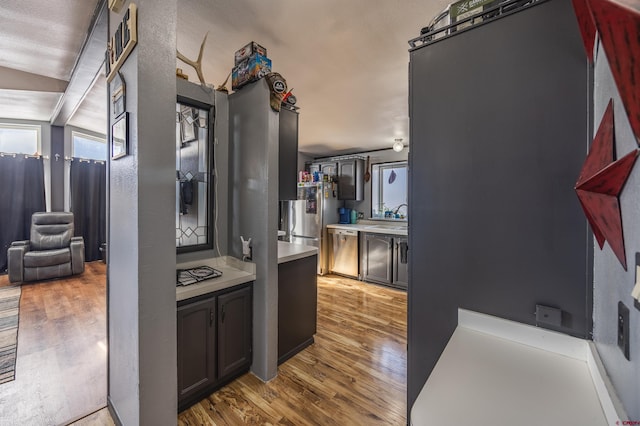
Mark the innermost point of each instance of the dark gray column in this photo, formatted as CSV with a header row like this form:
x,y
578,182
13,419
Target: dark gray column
x,y
253,211
142,255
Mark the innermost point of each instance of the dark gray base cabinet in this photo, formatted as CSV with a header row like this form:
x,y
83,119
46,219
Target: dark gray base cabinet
x,y
214,342
384,260
378,258
297,305
400,262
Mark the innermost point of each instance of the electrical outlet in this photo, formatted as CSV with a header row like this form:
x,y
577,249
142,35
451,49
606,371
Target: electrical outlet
x,y
548,316
623,329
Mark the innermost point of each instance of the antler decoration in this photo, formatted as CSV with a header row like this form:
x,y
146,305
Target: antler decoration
x,y
223,86
197,64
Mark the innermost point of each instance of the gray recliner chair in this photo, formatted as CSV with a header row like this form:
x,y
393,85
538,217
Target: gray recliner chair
x,y
51,251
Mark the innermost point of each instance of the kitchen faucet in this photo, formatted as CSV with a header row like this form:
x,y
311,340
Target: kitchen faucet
x,y
395,212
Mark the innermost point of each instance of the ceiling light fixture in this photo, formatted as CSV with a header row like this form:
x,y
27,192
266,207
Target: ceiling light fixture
x,y
398,145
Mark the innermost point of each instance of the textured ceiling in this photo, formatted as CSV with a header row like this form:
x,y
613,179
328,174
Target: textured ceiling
x,y
39,44
27,105
43,37
347,61
92,112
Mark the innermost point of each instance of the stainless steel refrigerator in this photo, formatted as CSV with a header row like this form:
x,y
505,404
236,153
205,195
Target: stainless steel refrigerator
x,y
305,220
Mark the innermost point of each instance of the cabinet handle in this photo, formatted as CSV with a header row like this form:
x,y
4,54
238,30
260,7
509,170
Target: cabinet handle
x,y
223,314
211,317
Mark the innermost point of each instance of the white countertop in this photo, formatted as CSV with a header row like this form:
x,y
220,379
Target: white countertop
x,y
289,251
486,380
389,228
234,272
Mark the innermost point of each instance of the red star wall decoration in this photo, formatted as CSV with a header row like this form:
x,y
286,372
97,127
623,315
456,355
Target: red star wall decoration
x,y
599,186
618,24
586,24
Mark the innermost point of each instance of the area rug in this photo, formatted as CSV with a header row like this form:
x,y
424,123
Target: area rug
x,y
9,308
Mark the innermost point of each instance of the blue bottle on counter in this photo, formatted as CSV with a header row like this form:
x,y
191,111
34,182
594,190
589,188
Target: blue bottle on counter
x,y
354,216
344,215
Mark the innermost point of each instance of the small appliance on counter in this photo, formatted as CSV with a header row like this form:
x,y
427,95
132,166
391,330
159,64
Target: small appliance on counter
x,y
345,215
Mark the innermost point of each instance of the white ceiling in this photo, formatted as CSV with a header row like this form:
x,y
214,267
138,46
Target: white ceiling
x,y
39,44
347,61
92,111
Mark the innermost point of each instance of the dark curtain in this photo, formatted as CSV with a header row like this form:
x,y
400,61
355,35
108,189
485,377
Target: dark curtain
x,y
21,195
88,204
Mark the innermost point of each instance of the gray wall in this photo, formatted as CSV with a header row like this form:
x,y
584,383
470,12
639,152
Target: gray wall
x,y
375,157
221,160
142,256
253,211
498,137
611,282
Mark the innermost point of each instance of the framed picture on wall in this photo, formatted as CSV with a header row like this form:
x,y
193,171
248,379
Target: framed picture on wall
x,y
120,136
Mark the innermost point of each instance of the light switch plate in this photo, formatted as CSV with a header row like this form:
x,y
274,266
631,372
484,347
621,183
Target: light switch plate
x,y
623,329
635,293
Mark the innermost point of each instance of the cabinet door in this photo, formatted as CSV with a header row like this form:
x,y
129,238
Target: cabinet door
x,y
288,154
329,169
351,180
234,331
378,258
297,305
196,347
400,262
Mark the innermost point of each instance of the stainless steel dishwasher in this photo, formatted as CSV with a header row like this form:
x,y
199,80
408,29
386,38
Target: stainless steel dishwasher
x,y
343,253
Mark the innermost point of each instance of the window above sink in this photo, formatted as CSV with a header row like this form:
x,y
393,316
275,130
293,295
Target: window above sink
x,y
389,189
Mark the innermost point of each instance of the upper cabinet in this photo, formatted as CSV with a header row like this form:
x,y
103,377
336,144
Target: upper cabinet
x,y
329,168
351,179
348,172
288,154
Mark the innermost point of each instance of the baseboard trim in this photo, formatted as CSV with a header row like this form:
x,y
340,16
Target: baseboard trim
x,y
113,412
525,334
609,401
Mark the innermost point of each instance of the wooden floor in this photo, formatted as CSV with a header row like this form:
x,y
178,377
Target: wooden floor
x,y
61,362
355,373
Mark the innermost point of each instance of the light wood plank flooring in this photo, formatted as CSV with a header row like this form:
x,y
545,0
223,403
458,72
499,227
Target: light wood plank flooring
x,y
61,362
355,373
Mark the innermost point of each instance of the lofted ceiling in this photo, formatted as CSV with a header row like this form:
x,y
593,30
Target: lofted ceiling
x,y
39,44
346,61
